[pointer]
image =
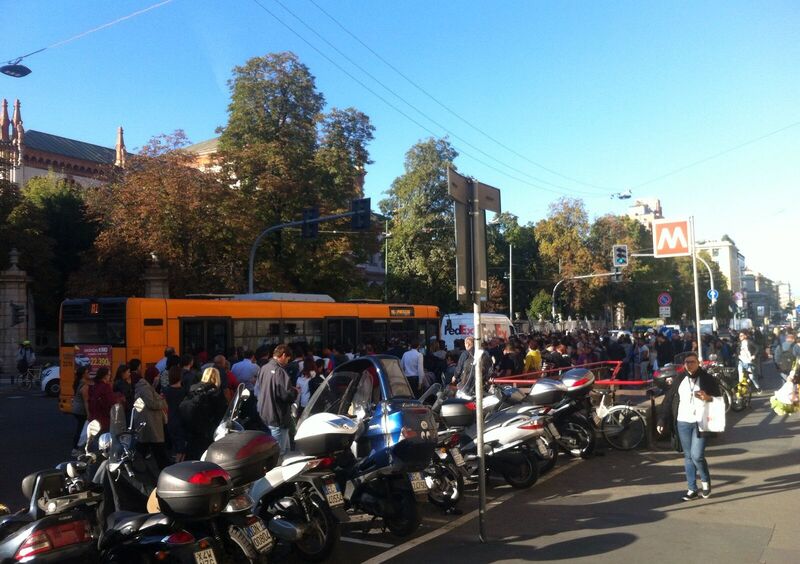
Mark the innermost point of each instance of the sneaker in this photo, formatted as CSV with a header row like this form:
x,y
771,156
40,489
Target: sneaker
x,y
705,493
689,495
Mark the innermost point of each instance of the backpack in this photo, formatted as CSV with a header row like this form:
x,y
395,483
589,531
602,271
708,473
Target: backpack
x,y
786,360
196,406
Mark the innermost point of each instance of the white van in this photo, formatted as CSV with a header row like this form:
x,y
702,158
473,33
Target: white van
x,y
462,325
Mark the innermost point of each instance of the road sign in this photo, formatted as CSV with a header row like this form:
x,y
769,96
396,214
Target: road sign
x,y
664,311
671,238
712,294
797,309
664,299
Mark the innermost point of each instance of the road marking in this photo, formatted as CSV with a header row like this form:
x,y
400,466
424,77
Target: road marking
x,y
400,549
367,542
15,397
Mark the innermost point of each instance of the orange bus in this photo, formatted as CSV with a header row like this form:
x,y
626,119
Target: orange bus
x,y
111,331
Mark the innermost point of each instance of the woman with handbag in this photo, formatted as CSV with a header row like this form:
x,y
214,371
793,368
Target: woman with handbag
x,y
685,408
79,407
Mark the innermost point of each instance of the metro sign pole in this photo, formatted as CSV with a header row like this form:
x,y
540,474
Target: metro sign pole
x,y
676,238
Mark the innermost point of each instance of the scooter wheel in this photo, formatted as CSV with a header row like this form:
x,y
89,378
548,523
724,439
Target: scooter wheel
x,y
524,474
447,486
578,438
322,535
405,518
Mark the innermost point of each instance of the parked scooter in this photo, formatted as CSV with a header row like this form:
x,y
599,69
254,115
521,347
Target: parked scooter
x,y
58,524
393,442
294,498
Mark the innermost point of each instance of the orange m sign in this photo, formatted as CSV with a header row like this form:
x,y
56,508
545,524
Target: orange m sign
x,y
671,238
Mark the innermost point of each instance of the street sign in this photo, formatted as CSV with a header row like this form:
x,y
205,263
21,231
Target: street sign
x,y
797,309
664,311
671,238
712,294
664,299
471,259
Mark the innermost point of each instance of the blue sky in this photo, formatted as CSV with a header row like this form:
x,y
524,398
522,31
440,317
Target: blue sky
x,y
606,95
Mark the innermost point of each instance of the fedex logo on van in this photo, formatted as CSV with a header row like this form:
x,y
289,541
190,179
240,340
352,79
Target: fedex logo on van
x,y
462,329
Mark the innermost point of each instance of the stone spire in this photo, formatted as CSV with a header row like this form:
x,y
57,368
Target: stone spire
x,y
20,143
17,119
4,122
120,161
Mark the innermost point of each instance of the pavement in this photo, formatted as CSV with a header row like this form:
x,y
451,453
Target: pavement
x,y
614,507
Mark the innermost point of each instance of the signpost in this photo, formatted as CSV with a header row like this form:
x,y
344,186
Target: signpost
x,y
675,238
472,199
664,311
712,295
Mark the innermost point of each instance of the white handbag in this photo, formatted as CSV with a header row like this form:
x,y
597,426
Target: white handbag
x,y
713,420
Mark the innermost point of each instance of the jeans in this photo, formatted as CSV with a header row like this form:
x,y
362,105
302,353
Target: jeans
x,y
694,454
752,373
281,435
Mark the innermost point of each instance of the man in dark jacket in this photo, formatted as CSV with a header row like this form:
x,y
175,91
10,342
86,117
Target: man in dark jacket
x,y
275,395
684,408
664,352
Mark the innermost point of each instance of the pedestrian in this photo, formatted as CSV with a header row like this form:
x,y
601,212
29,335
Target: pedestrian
x,y
161,365
174,394
747,360
122,385
25,358
246,369
275,396
413,365
80,405
101,399
682,411
201,411
162,382
135,365
153,414
308,374
533,358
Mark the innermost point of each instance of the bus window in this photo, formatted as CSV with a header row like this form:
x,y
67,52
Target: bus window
x,y
342,333
253,333
373,332
93,332
210,335
302,330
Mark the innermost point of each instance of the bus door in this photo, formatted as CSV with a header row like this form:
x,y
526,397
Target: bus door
x,y
342,332
212,335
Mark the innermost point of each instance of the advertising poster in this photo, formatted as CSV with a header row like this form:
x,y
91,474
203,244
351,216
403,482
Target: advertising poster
x,y
93,356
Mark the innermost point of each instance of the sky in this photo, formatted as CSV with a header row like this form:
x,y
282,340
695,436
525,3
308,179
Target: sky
x,y
542,99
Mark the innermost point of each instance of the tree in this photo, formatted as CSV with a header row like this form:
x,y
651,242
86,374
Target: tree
x,y
162,206
540,306
422,245
501,233
284,154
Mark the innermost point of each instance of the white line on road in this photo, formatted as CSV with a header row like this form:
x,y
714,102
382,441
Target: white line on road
x,y
397,550
367,542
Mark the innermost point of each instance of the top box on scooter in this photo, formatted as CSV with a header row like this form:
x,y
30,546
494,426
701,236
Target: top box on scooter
x,y
547,392
194,490
578,381
246,456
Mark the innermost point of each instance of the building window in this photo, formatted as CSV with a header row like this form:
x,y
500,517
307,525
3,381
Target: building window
x,y
714,252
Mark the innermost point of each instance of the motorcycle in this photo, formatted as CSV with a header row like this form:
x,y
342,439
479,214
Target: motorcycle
x,y
57,525
392,441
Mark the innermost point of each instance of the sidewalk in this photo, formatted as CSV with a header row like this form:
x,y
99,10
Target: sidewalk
x,y
626,506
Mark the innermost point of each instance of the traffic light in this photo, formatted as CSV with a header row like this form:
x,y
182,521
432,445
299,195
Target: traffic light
x,y
362,213
310,230
619,255
17,314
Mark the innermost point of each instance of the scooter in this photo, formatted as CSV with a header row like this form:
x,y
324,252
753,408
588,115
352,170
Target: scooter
x,y
58,524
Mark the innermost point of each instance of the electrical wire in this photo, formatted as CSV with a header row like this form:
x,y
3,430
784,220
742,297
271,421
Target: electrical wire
x,y
717,155
451,111
90,31
564,191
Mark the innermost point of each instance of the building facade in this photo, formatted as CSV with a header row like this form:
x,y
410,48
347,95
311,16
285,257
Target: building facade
x,y
729,260
761,300
646,211
28,154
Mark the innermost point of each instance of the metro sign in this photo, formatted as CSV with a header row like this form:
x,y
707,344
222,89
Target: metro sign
x,y
671,238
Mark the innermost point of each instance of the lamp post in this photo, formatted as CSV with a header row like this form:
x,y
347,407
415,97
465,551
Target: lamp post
x,y
386,236
511,282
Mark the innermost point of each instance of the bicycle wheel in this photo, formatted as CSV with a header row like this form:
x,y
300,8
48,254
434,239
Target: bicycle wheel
x,y
624,427
741,396
26,383
727,396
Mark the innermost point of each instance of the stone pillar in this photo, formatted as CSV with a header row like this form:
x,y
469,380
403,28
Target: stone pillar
x,y
156,281
13,294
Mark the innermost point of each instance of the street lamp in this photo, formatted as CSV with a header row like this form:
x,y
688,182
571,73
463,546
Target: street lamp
x,y
15,69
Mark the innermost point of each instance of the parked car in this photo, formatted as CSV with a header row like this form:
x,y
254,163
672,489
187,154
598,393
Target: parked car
x,y
51,380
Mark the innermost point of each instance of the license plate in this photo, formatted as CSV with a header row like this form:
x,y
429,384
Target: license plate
x,y
553,431
205,557
259,536
418,482
333,494
457,458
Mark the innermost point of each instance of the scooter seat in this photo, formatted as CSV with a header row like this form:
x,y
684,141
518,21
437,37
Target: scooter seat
x,y
126,522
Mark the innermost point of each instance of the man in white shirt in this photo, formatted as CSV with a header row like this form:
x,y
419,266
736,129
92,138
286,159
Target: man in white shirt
x,y
747,360
161,365
412,365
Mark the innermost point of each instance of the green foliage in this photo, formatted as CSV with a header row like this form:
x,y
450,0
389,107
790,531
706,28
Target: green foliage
x,y
541,306
422,245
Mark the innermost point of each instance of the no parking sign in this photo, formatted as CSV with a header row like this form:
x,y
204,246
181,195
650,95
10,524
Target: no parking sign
x,y
664,299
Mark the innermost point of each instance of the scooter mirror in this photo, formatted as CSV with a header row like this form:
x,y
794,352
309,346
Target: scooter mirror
x,y
92,429
245,394
104,444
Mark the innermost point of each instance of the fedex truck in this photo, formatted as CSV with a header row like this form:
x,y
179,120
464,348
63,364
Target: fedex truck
x,y
462,325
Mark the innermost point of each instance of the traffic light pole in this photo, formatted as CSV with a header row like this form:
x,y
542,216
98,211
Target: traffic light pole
x,y
553,298
274,228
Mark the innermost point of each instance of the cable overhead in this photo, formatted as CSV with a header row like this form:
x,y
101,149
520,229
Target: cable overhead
x,y
721,153
421,112
453,112
90,31
403,113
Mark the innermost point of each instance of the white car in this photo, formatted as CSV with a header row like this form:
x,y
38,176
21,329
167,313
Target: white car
x,y
51,381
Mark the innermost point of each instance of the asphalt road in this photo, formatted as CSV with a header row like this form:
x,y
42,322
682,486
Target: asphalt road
x,y
619,506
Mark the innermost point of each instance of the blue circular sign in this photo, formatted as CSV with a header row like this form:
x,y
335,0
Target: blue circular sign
x,y
664,299
797,309
712,294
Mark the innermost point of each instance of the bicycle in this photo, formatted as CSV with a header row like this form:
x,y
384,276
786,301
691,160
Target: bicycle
x,y
31,378
623,427
727,380
742,392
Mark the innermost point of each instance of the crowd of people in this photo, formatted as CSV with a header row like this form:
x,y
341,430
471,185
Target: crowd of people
x,y
182,398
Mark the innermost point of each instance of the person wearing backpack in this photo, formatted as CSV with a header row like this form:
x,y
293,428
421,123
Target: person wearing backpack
x,y
201,411
787,354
